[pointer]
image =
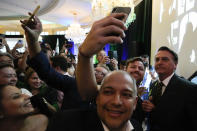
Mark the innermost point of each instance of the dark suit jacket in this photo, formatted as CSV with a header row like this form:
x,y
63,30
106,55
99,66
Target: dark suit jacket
x,y
138,113
192,76
66,84
80,120
177,108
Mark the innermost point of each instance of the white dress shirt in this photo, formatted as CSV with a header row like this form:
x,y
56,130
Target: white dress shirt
x,y
165,82
129,126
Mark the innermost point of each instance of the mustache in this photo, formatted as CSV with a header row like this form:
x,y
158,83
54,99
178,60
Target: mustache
x,y
135,72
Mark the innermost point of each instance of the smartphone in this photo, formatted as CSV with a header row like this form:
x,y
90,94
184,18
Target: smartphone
x,y
110,54
0,40
125,10
20,41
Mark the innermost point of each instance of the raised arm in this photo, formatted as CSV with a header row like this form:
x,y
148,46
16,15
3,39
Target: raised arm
x,y
39,62
32,32
107,30
22,63
6,45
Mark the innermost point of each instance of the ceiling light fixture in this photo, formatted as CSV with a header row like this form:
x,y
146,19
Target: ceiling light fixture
x,y
75,32
102,8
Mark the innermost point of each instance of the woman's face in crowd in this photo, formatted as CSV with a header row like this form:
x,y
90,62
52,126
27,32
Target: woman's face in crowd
x,y
14,103
34,81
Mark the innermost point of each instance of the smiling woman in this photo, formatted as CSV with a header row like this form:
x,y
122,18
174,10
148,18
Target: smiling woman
x,y
17,113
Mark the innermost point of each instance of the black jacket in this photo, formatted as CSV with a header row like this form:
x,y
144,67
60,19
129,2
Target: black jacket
x,y
80,120
177,107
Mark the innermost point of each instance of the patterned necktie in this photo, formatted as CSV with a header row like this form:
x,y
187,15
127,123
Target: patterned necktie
x,y
157,92
159,88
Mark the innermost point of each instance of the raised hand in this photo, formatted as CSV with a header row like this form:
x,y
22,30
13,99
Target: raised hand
x,y
32,29
105,60
102,32
147,105
18,45
114,63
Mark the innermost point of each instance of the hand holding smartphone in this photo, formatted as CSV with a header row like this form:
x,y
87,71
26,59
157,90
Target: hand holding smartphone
x,y
125,10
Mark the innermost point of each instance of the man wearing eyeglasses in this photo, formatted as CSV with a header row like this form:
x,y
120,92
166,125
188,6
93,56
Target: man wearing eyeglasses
x,y
100,73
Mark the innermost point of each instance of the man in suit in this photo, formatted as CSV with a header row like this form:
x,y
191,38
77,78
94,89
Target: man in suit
x,y
176,108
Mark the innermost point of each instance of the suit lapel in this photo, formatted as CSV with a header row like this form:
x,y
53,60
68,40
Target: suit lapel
x,y
171,84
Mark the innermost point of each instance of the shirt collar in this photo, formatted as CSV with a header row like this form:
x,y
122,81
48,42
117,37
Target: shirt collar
x,y
67,74
129,127
166,81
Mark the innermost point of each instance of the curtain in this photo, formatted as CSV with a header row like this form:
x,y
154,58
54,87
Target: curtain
x,y
52,40
138,35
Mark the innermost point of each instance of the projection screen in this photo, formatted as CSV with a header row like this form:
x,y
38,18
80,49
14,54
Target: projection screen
x,y
174,24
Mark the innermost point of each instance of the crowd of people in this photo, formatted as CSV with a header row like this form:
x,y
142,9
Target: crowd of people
x,y
39,91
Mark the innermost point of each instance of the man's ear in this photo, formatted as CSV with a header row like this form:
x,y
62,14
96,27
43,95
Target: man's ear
x,y
175,66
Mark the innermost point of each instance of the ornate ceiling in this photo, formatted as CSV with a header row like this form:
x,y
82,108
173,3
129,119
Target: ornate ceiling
x,y
56,12
51,11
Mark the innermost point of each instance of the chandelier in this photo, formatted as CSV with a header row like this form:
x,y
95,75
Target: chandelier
x,y
102,8
75,32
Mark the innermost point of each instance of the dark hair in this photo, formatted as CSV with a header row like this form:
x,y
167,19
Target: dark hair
x,y
174,54
60,61
28,73
3,65
123,62
45,47
7,54
145,56
131,60
71,56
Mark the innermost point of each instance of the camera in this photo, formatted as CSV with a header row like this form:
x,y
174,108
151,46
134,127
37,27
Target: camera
x,y
113,54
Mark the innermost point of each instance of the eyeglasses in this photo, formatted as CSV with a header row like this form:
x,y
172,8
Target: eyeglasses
x,y
99,73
